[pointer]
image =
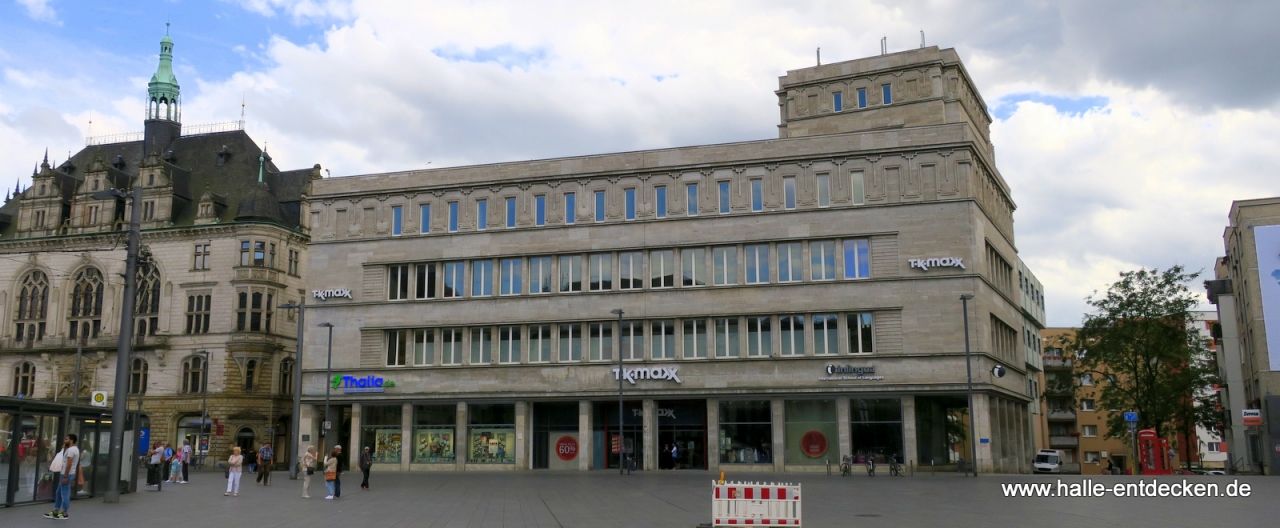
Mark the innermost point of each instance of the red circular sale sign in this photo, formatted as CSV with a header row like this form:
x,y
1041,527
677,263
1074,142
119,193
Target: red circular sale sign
x,y
814,443
567,448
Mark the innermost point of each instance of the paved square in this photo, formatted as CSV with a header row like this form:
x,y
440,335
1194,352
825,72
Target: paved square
x,y
660,499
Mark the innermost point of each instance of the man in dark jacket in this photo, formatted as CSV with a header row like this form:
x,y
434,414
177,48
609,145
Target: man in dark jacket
x,y
366,463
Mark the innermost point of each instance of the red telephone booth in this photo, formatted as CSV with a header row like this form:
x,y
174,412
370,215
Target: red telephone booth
x,y
1154,453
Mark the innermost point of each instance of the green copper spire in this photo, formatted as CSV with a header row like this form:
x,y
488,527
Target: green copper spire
x,y
162,92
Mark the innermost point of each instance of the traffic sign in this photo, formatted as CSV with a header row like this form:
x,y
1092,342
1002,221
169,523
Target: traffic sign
x,y
328,425
1131,417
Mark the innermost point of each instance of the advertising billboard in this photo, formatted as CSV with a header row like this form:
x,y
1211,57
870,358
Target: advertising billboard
x,y
1267,243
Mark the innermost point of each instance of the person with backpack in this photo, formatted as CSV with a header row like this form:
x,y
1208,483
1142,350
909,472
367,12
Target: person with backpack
x,y
65,467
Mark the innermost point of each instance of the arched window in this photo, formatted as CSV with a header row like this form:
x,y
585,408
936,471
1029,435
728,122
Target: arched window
x,y
24,379
193,375
250,371
86,304
286,377
147,307
33,306
138,377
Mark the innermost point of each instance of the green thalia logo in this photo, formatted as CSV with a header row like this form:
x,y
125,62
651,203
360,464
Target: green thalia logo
x,y
362,384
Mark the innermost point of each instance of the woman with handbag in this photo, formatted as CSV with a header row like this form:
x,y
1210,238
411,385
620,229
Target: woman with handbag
x,y
234,463
331,479
308,464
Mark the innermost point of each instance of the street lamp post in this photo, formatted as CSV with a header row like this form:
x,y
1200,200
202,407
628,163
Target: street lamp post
x,y
328,374
968,368
204,406
297,389
621,439
124,345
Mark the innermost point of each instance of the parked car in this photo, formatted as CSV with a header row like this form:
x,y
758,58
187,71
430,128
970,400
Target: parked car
x,y
1048,461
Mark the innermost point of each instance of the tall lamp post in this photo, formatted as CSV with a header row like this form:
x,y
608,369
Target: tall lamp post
x,y
328,375
297,388
968,368
124,345
204,407
621,440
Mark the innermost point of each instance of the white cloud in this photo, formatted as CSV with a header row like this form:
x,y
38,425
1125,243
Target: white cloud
x,y
40,10
300,10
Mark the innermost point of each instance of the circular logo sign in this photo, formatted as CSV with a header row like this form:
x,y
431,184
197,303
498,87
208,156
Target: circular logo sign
x,y
567,448
99,397
814,444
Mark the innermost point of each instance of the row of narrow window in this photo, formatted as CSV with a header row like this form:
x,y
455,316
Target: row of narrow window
x,y
193,376
886,98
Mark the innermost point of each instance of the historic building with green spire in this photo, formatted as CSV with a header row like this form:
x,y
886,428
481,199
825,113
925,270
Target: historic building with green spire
x,y
224,234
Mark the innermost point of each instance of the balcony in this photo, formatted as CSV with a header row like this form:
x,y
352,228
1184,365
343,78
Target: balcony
x,y
1058,442
1056,363
1062,414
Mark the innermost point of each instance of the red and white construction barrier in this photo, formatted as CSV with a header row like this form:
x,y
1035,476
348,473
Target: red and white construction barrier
x,y
755,504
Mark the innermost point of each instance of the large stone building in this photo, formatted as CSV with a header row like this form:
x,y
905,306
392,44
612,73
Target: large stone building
x,y
783,302
224,242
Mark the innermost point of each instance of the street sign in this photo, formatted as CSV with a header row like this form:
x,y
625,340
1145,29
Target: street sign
x,y
1131,417
1133,426
328,425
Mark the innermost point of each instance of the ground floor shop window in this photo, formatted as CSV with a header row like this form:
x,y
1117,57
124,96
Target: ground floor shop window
x,y
876,428
746,432
491,434
811,432
381,432
433,434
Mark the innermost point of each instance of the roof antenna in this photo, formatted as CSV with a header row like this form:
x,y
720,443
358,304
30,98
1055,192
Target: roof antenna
x,y
884,45
819,56
922,39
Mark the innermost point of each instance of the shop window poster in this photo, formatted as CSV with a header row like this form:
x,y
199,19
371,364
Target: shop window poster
x,y
387,446
433,447
493,445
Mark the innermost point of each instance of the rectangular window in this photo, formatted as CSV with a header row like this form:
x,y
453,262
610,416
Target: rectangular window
x,y
1089,430
693,266
826,335
789,192
749,424
199,308
259,253
660,201
663,339
424,218
1086,380
570,342
757,263
481,278
727,337
509,283
540,210
148,211
757,195
662,268
695,338
822,259
862,97
570,273
857,259
294,257
600,205
601,342
792,328
824,189
244,253
511,212
630,197
426,285
93,212
200,259
454,278
481,346
397,347
691,190
886,93
1087,405
271,256
601,272
482,215
398,282
424,348
397,221
453,217
1091,457
539,343
540,275
509,344
725,261
724,197
858,326
759,337
451,346
631,270
570,208
837,101
857,184
790,262
631,337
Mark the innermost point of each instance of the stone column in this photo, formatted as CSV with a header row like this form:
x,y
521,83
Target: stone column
x,y
522,426
982,426
406,436
353,451
460,437
584,436
713,435
778,411
650,435
910,449
306,427
844,434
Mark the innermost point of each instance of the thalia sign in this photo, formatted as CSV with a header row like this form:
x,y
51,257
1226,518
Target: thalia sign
x,y
365,384
648,373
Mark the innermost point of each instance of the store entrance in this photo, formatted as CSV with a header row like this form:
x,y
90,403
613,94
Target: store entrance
x,y
682,425
605,434
555,435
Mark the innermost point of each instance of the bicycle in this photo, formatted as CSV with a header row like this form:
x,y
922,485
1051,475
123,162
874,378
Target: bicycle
x,y
895,469
846,466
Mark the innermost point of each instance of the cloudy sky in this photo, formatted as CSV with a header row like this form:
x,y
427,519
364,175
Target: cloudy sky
x,y
1124,129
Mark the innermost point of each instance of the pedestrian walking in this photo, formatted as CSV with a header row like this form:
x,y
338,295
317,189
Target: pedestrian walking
x,y
66,465
153,468
234,464
186,460
675,456
265,458
251,458
366,463
165,461
308,464
332,479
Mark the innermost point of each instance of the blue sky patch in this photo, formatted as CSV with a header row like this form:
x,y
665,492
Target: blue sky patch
x,y
505,55
1006,105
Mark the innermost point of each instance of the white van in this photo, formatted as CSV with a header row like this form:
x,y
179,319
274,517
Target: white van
x,y
1048,461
